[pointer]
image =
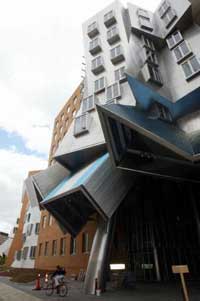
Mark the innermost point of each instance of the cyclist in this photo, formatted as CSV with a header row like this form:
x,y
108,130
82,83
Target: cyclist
x,y
58,275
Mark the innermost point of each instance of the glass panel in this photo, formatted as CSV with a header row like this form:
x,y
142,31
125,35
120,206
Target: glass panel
x,y
177,37
115,90
117,74
184,47
195,64
84,108
101,83
178,53
109,93
187,69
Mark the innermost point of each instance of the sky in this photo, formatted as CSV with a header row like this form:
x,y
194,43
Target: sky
x,y
40,67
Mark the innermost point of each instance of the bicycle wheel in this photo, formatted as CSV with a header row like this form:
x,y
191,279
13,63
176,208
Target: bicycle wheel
x,y
49,289
63,290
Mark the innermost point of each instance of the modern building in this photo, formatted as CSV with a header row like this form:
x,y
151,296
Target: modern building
x,y
129,162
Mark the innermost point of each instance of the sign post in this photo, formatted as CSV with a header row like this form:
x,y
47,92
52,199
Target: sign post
x,y
182,269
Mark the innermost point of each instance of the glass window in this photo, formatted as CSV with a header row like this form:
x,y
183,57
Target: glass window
x,y
85,242
148,43
99,84
54,247
40,249
163,8
119,74
97,62
191,67
72,246
62,246
116,51
32,252
25,253
46,247
113,92
174,39
88,104
81,124
181,51
143,13
44,221
50,219
154,74
37,228
169,17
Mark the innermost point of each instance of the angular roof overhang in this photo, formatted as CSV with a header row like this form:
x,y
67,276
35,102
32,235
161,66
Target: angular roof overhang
x,y
31,191
97,188
150,146
46,180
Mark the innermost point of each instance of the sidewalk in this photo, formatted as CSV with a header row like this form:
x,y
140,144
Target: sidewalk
x,y
8,293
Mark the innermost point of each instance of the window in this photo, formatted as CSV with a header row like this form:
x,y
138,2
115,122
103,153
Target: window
x,y
88,104
148,43
150,56
75,100
113,35
144,19
72,246
174,39
191,67
44,221
29,229
95,46
18,255
50,220
120,75
113,92
17,222
81,124
143,13
109,18
40,249
159,111
85,243
99,85
182,51
93,29
97,65
28,217
163,8
62,246
25,253
46,246
37,228
24,237
54,247
68,109
116,54
154,74
32,252
15,230
169,17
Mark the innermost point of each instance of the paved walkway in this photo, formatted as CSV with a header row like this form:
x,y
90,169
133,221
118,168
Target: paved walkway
x,y
8,293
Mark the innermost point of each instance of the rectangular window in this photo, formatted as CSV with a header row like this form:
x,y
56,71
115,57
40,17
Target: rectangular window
x,y
95,46
18,255
191,67
148,43
46,247
50,220
29,229
169,17
109,18
72,246
113,35
163,8
154,74
88,104
99,85
174,39
25,253
44,221
113,92
81,124
40,249
150,56
54,247
119,74
28,217
93,29
98,61
62,246
85,242
37,228
32,252
143,13
116,54
182,51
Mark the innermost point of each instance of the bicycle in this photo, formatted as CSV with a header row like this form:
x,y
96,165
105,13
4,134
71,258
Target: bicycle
x,y
62,289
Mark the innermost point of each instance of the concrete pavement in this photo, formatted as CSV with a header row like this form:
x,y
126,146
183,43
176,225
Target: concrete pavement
x,y
8,293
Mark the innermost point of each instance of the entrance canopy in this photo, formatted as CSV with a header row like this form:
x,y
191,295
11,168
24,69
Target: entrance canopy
x,y
98,187
152,146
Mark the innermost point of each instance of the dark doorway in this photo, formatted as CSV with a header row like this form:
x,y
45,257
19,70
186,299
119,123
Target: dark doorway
x,y
157,227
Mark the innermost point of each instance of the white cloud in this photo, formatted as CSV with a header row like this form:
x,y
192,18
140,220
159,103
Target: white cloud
x,y
14,168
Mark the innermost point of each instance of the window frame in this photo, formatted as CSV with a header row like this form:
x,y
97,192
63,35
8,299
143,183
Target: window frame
x,y
171,19
121,78
73,245
63,244
100,89
85,243
157,78
193,73
87,101
164,10
183,56
46,248
113,97
172,36
54,247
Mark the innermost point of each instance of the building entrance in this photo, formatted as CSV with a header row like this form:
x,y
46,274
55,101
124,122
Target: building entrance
x,y
157,227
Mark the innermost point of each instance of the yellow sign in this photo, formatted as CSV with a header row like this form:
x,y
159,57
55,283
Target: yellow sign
x,y
180,269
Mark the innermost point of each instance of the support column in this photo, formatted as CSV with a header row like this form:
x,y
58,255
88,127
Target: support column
x,y
99,256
